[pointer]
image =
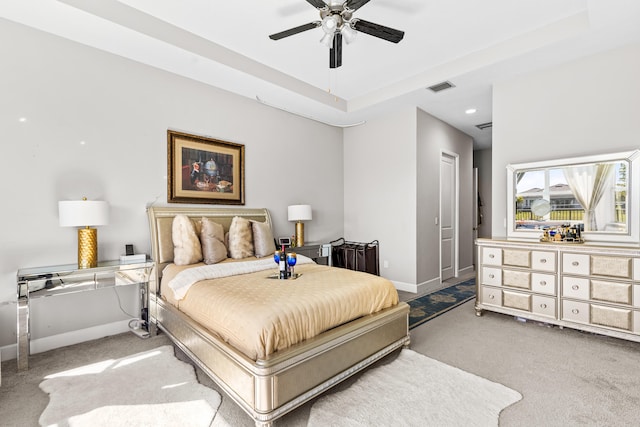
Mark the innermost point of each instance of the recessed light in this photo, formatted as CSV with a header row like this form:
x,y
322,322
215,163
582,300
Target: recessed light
x,y
83,142
470,111
22,119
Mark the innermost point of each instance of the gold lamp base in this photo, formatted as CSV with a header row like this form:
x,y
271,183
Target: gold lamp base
x,y
87,247
299,234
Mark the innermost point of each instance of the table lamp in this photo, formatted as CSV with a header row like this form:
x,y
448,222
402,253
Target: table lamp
x,y
299,213
84,213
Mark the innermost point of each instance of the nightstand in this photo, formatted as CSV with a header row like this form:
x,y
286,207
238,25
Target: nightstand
x,y
58,280
319,252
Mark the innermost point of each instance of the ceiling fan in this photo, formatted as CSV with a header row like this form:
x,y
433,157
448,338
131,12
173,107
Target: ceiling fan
x,y
336,20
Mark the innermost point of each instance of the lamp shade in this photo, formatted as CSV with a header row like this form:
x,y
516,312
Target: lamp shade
x,y
299,212
83,213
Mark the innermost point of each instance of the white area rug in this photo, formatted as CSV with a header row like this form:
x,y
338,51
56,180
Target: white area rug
x,y
152,388
414,390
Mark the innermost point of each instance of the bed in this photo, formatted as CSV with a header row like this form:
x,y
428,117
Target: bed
x,y
266,385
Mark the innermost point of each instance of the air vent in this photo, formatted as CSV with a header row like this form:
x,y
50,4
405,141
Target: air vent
x,y
483,126
441,86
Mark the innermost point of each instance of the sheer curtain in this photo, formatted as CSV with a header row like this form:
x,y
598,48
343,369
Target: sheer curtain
x,y
588,184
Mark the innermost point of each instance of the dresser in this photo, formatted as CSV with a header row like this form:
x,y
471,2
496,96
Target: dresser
x,y
591,288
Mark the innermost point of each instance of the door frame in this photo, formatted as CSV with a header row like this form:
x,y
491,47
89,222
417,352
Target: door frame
x,y
456,213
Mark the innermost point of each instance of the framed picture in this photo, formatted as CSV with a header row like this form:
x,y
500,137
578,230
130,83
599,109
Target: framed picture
x,y
204,170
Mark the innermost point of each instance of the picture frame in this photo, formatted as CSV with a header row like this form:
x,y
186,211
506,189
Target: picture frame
x,y
204,170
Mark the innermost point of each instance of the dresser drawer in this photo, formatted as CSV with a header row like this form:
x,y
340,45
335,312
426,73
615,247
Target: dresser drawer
x,y
544,306
636,269
575,287
491,276
518,300
491,296
575,264
575,311
543,261
516,258
516,279
492,256
619,293
543,283
619,318
611,266
636,295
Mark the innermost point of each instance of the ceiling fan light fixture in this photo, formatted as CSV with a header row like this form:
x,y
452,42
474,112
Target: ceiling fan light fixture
x,y
348,33
327,40
330,24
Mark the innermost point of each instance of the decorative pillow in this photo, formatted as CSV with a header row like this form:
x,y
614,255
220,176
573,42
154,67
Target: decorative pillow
x,y
240,238
186,245
212,240
263,242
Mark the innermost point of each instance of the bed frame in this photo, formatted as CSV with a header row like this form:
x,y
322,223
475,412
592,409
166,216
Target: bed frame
x,y
268,388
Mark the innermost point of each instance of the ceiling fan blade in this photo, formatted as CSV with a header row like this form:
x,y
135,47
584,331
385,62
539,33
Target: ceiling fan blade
x,y
377,30
355,4
335,53
295,30
318,4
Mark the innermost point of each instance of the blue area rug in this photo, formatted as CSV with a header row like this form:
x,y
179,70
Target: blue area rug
x,y
427,307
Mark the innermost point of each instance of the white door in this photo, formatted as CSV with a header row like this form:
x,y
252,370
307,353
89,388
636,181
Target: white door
x,y
448,215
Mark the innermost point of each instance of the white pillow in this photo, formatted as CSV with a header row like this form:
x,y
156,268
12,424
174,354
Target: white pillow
x,y
186,245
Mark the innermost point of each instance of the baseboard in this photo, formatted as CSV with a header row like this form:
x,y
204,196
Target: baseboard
x,y
467,270
419,288
406,287
68,338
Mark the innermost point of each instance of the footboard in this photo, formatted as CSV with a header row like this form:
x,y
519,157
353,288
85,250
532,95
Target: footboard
x,y
267,389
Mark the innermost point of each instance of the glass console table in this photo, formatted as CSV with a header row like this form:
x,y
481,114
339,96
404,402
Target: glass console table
x,y
56,280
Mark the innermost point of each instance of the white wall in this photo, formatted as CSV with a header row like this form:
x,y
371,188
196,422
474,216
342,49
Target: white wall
x,y
380,190
433,138
587,106
122,110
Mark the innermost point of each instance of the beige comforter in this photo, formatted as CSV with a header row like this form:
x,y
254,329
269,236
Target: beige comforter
x,y
260,316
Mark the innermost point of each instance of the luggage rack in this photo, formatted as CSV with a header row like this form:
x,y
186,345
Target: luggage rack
x,y
356,256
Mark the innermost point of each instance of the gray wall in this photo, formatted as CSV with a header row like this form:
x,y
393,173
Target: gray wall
x,y
392,193
482,161
434,138
380,190
122,110
588,106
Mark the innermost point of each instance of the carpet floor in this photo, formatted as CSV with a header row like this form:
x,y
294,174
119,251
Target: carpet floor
x,y
566,377
429,306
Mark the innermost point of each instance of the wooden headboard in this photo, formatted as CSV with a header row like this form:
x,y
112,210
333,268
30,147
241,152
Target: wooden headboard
x,y
161,221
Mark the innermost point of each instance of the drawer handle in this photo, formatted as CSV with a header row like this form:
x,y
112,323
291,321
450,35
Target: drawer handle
x,y
575,287
543,305
491,276
543,261
492,256
543,283
575,263
575,311
492,296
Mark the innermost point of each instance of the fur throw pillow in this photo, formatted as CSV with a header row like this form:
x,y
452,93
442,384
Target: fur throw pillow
x,y
186,245
212,239
240,238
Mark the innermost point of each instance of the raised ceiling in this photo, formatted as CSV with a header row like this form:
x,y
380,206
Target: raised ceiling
x,y
470,43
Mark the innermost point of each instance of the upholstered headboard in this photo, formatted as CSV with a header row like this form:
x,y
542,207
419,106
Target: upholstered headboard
x,y
161,221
